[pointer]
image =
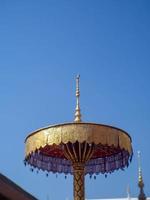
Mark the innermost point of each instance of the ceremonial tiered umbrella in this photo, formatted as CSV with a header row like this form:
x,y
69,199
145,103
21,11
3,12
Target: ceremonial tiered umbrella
x,y
78,148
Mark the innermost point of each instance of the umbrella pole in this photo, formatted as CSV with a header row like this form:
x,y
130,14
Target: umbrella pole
x,y
78,181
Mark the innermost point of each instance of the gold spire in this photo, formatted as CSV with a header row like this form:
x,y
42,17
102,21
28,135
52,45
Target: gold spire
x,y
77,111
140,179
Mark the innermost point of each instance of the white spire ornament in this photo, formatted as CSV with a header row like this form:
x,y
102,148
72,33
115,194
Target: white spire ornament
x,y
77,112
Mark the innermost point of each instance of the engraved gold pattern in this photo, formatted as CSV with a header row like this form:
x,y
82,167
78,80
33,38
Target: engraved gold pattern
x,y
72,132
78,182
78,148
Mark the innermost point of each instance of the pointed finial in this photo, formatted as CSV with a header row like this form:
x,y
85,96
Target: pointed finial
x,y
140,179
128,192
77,111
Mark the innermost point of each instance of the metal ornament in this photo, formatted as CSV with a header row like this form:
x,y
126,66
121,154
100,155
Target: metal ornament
x,y
142,195
79,148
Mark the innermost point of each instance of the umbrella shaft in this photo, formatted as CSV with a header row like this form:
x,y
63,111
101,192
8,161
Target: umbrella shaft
x,y
79,193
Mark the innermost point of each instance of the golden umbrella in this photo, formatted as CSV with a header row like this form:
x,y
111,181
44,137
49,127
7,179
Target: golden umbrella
x,y
79,148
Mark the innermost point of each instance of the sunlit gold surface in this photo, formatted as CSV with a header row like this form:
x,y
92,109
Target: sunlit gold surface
x,y
72,132
78,148
78,182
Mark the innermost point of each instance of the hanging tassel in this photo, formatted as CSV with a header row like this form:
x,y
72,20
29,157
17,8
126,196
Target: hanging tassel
x,y
25,163
31,169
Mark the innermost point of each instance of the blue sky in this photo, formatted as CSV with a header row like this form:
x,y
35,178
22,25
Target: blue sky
x,y
43,46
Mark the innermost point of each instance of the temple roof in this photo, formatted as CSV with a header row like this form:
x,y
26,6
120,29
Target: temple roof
x,y
11,190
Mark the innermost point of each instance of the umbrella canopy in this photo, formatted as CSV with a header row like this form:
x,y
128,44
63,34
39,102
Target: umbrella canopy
x,y
46,148
78,148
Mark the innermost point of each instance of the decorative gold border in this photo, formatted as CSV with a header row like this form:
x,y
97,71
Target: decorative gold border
x,y
72,132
